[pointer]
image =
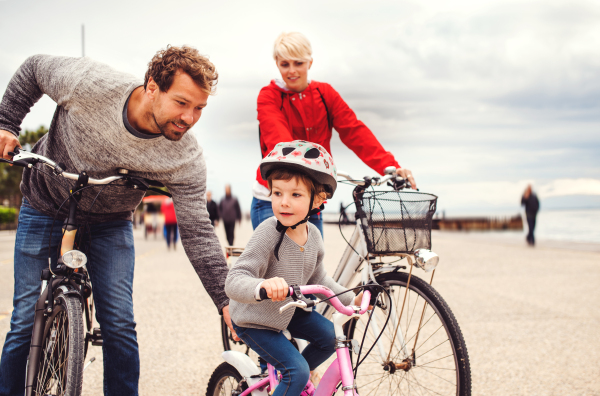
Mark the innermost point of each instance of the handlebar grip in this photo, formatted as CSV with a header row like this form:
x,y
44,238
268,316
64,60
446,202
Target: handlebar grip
x,y
263,294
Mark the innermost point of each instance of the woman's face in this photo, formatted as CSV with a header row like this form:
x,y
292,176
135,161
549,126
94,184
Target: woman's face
x,y
294,73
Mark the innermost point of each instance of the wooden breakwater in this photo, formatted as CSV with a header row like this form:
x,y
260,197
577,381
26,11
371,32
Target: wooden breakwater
x,y
513,223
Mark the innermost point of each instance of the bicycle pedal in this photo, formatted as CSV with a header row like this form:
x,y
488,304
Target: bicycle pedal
x,y
96,336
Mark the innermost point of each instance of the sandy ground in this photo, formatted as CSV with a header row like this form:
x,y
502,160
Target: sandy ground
x,y
529,316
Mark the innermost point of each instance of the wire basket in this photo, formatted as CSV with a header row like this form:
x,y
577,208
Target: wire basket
x,y
397,221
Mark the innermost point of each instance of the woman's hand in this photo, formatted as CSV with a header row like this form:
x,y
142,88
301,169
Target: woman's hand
x,y
407,174
277,288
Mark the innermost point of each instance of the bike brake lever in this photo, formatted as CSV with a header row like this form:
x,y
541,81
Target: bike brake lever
x,y
299,304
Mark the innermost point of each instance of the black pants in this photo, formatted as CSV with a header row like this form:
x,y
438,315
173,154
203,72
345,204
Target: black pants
x,y
229,227
531,225
171,231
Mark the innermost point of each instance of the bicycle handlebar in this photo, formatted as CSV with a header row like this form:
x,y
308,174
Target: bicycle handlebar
x,y
318,289
27,159
376,180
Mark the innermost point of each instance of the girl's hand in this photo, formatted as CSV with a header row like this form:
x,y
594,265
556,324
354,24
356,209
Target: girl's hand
x,y
277,288
358,300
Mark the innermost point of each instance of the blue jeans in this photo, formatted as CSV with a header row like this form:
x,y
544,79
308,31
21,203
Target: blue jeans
x,y
294,367
111,260
261,210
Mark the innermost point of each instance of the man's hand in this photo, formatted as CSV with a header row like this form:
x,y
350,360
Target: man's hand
x,y
8,142
407,174
227,319
277,288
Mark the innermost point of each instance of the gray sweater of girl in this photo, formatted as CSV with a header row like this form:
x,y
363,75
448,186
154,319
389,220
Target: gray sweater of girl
x,y
299,265
88,134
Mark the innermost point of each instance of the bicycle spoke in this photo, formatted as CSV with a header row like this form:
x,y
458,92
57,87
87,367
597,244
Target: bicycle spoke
x,y
436,360
434,374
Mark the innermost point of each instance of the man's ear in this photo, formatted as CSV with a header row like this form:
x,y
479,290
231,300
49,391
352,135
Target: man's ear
x,y
152,88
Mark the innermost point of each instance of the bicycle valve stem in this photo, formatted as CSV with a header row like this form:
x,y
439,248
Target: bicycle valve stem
x,y
68,241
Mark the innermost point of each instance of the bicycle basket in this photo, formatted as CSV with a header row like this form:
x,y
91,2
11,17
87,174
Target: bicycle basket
x,y
396,221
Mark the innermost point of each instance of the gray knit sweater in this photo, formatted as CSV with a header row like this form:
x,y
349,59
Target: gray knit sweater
x,y
88,133
299,265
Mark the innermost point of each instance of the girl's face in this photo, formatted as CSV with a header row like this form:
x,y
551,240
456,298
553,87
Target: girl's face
x,y
290,200
294,73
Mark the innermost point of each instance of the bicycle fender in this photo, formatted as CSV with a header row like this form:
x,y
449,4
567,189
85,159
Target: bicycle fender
x,y
68,290
241,362
388,269
246,367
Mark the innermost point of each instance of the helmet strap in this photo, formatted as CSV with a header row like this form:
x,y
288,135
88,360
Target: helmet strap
x,y
282,229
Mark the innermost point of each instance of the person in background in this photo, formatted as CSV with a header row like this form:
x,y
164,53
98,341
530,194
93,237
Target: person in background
x,y
296,108
168,210
532,206
229,208
213,209
343,216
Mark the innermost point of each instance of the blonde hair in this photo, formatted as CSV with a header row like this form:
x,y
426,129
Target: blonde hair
x,y
292,46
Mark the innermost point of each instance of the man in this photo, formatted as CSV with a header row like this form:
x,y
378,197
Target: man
x,y
107,120
532,206
213,210
229,208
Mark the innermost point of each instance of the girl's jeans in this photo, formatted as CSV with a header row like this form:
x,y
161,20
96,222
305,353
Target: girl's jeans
x,y
110,265
262,210
277,350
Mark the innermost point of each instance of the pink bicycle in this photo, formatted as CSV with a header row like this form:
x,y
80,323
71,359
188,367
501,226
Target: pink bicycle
x,y
240,376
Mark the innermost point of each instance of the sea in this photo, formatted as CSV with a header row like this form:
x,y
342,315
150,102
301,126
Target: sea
x,y
574,225
566,225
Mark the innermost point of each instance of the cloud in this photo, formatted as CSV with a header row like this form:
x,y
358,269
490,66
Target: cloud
x,y
567,187
488,95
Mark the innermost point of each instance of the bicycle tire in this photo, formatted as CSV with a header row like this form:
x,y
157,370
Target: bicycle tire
x,y
434,361
224,380
88,311
60,370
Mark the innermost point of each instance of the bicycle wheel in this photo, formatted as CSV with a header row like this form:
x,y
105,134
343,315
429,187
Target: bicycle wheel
x,y
428,354
229,344
60,371
224,381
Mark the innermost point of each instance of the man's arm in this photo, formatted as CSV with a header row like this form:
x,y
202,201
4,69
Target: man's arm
x,y
197,235
54,76
40,74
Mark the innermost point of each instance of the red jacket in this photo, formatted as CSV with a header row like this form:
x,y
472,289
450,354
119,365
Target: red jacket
x,y
310,115
168,209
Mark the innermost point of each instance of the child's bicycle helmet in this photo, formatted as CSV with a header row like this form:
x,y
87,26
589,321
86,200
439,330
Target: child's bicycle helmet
x,y
310,158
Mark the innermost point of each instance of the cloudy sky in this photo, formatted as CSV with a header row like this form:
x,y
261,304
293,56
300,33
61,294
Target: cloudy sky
x,y
478,98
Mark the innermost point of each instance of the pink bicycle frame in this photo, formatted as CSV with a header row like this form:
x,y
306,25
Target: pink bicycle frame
x,y
341,368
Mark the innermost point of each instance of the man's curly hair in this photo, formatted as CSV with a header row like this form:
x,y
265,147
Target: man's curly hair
x,y
166,63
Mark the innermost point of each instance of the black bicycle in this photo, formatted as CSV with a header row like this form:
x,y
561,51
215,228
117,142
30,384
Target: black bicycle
x,y
58,343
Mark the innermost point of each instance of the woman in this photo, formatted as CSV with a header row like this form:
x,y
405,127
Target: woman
x,y
296,108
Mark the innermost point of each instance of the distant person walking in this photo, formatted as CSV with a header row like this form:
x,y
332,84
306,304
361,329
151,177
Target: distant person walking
x,y
532,206
343,216
213,209
168,210
229,208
